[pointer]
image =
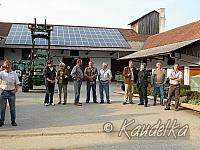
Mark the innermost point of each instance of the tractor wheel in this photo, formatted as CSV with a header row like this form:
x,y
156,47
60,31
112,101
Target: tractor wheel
x,y
30,83
25,83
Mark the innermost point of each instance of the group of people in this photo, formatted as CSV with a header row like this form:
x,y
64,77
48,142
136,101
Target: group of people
x,y
90,74
132,79
158,79
9,84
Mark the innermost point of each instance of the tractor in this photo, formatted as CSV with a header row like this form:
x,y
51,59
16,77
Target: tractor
x,y
31,71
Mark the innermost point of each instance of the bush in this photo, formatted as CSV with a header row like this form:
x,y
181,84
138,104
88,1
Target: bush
x,y
192,97
184,90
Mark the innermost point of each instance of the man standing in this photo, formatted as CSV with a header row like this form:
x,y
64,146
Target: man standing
x,y
91,75
77,75
143,84
105,77
62,80
9,83
175,80
50,78
130,79
158,80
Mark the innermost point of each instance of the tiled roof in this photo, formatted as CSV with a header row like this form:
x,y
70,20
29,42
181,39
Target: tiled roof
x,y
183,33
131,35
4,28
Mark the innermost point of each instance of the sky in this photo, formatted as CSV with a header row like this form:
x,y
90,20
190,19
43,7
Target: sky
x,y
103,13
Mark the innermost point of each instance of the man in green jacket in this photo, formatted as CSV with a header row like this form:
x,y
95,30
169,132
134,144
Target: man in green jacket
x,y
62,80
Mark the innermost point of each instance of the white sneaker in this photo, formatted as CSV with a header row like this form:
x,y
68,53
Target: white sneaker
x,y
46,104
52,104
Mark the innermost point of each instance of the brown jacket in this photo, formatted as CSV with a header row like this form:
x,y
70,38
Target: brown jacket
x,y
127,75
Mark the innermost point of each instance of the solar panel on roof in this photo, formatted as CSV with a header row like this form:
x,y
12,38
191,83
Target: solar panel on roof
x,y
19,34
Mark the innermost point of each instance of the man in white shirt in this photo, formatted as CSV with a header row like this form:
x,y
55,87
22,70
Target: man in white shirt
x,y
9,84
175,80
105,77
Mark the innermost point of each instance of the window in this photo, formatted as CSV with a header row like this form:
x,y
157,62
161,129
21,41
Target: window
x,y
26,53
2,53
74,53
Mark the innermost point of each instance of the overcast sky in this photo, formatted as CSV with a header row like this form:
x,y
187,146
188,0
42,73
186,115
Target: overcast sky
x,y
105,13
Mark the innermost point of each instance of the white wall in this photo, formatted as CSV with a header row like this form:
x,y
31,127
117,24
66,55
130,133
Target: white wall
x,y
98,57
14,55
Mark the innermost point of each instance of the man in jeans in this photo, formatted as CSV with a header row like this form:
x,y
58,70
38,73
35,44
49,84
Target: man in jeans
x,y
62,80
158,80
105,77
77,75
9,84
175,80
91,75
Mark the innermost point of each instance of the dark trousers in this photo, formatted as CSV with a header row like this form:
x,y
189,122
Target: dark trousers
x,y
91,85
143,95
49,92
4,97
77,89
174,90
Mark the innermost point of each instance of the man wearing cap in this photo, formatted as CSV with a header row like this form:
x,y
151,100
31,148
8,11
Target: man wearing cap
x,y
62,80
9,84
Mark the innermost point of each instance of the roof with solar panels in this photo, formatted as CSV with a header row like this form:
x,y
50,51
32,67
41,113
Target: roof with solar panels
x,y
18,35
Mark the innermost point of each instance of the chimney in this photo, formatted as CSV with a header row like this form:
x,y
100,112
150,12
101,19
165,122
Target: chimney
x,y
162,20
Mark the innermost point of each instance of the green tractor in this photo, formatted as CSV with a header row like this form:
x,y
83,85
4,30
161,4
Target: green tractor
x,y
32,70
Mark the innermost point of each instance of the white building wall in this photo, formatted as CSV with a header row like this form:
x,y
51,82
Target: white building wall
x,y
98,57
12,55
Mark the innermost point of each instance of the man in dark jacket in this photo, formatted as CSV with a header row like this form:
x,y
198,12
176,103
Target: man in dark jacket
x,y
50,77
130,79
62,80
143,84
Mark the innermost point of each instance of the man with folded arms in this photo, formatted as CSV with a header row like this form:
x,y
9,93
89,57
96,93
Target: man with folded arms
x,y
175,80
91,75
